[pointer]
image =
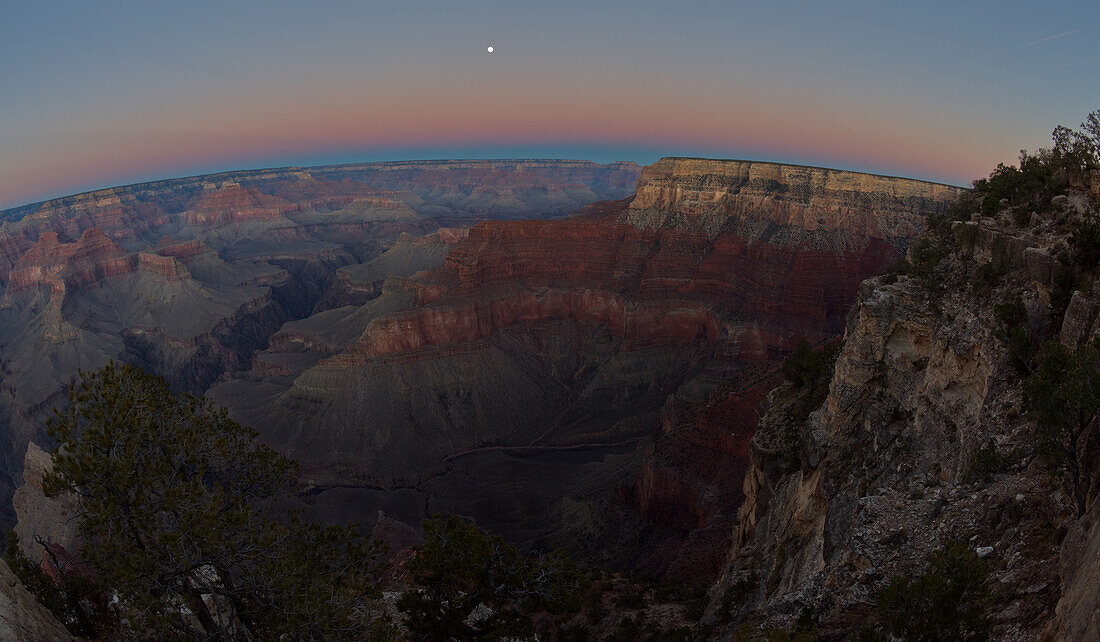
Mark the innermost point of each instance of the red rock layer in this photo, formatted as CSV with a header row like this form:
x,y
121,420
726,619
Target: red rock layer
x,y
94,257
652,287
726,264
432,189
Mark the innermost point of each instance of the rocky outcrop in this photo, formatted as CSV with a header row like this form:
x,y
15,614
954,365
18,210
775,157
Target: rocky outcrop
x,y
805,202
1077,616
22,618
844,496
64,267
876,478
49,519
587,365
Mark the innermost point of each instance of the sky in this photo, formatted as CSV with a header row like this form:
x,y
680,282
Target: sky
x,y
101,93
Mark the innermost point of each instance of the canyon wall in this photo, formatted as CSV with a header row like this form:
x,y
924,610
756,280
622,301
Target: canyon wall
x,y
189,277
590,382
923,440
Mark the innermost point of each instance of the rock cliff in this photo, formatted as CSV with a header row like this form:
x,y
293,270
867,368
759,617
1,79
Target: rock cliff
x,y
22,618
922,440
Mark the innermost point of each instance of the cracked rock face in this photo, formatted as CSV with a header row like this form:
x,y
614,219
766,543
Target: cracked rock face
x,y
876,479
22,618
882,473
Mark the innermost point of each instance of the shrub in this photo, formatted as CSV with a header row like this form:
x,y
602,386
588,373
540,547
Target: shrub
x,y
810,371
961,208
1038,177
1065,277
1029,186
1062,397
938,224
987,276
1021,349
946,602
1085,240
927,255
810,368
459,567
985,463
1010,313
1079,150
1021,216
1011,316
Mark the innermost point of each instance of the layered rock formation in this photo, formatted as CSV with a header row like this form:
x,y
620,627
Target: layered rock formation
x,y
587,381
189,277
888,469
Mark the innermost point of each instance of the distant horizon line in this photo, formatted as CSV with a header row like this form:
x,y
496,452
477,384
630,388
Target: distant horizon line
x,y
63,197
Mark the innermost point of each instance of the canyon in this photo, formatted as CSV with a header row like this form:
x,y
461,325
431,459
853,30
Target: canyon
x,y
189,277
591,382
440,337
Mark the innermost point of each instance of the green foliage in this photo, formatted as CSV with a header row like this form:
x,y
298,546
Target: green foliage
x,y
938,224
1062,397
1029,186
1010,313
803,631
459,568
737,593
1085,240
1021,348
1011,316
1021,216
988,275
673,591
946,602
985,463
867,634
810,368
958,210
927,255
1079,150
74,599
1065,277
810,371
177,504
1041,176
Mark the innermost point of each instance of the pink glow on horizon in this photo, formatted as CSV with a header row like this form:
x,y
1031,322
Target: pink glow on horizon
x,y
250,126
102,94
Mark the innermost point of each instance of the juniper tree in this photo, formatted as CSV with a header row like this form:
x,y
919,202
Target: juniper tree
x,y
178,510
946,602
459,568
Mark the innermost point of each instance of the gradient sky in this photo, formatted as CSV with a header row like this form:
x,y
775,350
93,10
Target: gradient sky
x,y
102,93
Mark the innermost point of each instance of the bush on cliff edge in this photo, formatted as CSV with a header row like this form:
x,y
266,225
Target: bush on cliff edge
x,y
946,602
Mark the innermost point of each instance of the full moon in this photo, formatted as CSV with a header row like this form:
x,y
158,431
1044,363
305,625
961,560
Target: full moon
x,y
490,49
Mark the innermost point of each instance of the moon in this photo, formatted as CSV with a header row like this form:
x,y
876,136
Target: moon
x,y
490,49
